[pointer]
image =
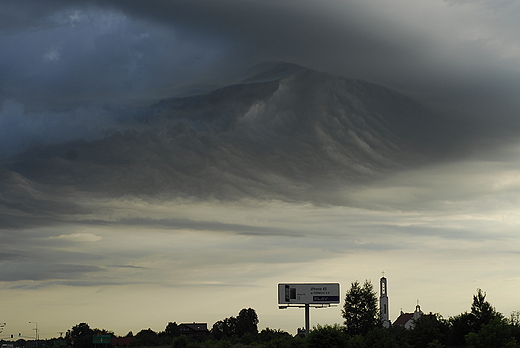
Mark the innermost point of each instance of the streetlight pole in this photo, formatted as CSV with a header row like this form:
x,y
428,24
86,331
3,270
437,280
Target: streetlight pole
x,y
35,329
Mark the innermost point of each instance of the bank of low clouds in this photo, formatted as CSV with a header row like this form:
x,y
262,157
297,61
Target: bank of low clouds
x,y
179,265
192,249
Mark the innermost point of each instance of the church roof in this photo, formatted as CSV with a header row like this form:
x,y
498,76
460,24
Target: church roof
x,y
403,319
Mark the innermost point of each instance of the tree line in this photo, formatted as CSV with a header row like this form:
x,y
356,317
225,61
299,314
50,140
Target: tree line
x,y
480,327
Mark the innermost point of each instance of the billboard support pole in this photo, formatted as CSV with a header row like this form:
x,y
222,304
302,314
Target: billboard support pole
x,y
307,319
307,295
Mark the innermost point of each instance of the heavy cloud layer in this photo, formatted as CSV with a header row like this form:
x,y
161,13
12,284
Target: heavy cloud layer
x,y
458,51
145,153
297,139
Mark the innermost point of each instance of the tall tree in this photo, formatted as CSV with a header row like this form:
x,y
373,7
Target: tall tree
x,y
482,310
171,330
225,328
247,322
482,313
360,309
81,335
80,330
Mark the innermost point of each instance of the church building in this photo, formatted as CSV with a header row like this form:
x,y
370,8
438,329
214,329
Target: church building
x,y
405,319
408,319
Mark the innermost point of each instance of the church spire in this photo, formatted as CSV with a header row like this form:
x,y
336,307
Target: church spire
x,y
383,301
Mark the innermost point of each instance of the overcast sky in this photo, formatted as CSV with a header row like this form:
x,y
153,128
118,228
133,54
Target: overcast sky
x,y
96,226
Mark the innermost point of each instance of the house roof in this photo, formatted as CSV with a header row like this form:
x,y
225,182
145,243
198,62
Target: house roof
x,y
403,319
196,326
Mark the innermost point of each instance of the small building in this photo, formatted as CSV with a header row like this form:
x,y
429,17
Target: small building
x,y
194,330
120,341
407,320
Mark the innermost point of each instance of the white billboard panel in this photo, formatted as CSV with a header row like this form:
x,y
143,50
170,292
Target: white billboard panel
x,y
323,293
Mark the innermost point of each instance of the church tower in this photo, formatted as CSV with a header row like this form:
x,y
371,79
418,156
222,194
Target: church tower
x,y
383,302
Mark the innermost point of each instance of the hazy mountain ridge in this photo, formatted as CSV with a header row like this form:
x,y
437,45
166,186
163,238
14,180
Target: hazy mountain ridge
x,y
293,138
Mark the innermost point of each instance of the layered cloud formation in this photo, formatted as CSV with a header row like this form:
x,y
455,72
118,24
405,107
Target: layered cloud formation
x,y
297,138
150,149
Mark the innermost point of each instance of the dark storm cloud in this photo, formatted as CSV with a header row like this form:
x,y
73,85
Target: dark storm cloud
x,y
61,54
81,54
397,43
21,130
294,139
297,140
20,15
457,52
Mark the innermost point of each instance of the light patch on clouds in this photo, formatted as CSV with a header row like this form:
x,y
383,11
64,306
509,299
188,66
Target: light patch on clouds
x,y
78,237
452,28
52,55
484,187
75,17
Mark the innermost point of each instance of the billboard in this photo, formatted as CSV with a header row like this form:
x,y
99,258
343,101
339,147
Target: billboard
x,y
324,293
101,339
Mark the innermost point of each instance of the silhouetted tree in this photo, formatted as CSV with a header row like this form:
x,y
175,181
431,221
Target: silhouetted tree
x,y
180,342
360,309
482,313
459,326
514,323
328,336
482,310
172,329
170,332
380,337
81,335
429,328
247,322
80,330
497,333
268,334
225,328
145,337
